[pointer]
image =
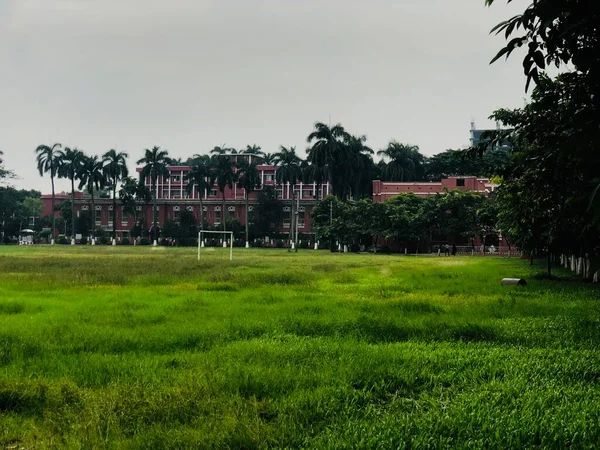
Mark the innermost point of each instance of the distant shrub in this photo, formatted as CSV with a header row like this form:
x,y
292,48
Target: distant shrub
x,y
125,241
83,241
239,243
355,248
258,243
303,244
144,241
103,240
63,241
279,243
386,250
188,242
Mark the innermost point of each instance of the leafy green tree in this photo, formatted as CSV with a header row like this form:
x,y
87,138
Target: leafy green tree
x,y
201,177
267,212
47,163
268,159
249,180
33,207
156,162
70,163
115,171
253,150
132,193
289,172
91,175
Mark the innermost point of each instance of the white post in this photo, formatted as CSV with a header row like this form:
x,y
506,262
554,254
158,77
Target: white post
x,y
316,245
224,243
114,242
231,248
247,244
199,241
72,241
155,243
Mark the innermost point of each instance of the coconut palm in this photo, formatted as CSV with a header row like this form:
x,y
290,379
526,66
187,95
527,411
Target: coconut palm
x,y
404,162
225,176
201,176
289,171
47,163
222,150
70,161
358,166
249,180
155,163
329,152
268,159
91,176
253,150
115,170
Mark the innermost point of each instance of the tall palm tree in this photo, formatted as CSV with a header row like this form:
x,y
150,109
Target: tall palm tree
x,y
91,176
225,176
404,162
70,161
249,180
289,171
222,150
268,159
358,166
47,163
253,150
115,170
202,177
155,163
329,151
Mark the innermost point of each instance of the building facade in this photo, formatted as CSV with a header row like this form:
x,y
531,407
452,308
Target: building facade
x,y
382,190
173,197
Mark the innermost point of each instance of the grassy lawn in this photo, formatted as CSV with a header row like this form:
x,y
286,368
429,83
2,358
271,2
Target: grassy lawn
x,y
147,348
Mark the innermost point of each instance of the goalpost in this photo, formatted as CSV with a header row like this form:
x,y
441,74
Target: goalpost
x,y
201,242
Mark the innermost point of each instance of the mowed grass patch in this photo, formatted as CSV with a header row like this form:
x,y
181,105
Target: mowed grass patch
x,y
134,348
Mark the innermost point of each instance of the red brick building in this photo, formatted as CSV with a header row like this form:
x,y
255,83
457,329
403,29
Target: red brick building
x,y
173,198
382,190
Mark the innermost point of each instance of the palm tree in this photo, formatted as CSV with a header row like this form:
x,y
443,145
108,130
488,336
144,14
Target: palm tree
x,y
70,161
222,150
268,159
201,176
249,180
155,163
358,166
225,177
289,171
405,162
47,163
115,170
329,152
253,150
133,191
91,176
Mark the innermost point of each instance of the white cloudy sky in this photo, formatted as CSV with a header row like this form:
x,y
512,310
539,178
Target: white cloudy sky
x,y
191,74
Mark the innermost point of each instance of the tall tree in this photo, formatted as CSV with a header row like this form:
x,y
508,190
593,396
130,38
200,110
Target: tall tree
x,y
70,162
329,152
115,170
404,162
201,178
155,163
225,176
91,176
249,180
47,163
289,172
131,193
358,167
268,159
253,150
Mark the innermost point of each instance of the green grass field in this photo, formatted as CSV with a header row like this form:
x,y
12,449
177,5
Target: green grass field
x,y
146,348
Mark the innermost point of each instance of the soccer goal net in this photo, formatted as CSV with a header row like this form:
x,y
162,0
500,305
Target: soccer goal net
x,y
225,235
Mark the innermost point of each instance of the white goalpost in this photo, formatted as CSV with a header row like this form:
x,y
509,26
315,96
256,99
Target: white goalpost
x,y
201,241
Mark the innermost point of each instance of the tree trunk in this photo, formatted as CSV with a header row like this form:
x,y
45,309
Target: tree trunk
x,y
93,214
53,213
223,217
115,210
73,208
201,213
154,235
291,221
247,228
549,264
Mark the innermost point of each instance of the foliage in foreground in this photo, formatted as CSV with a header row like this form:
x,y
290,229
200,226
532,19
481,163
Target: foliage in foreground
x,y
98,349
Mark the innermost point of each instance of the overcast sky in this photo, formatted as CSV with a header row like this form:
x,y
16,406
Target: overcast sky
x,y
191,74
